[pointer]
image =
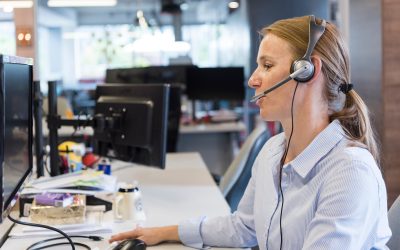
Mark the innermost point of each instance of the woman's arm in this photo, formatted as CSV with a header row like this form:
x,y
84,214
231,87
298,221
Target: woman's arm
x,y
151,235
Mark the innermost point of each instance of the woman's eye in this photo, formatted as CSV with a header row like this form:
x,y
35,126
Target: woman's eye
x,y
267,66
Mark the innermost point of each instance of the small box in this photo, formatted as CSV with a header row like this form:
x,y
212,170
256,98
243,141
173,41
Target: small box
x,y
51,215
54,199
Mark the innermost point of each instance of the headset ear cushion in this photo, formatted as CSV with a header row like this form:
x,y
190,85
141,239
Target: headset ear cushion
x,y
305,76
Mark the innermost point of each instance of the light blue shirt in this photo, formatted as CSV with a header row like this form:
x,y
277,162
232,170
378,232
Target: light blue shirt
x,y
334,198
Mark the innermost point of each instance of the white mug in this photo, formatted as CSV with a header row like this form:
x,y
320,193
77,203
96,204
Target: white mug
x,y
128,204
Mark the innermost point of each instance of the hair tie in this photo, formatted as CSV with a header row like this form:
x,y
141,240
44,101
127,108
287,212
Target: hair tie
x,y
346,87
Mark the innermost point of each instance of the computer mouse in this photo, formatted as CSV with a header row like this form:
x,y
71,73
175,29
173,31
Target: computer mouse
x,y
131,244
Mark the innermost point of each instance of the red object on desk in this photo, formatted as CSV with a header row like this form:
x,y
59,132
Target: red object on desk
x,y
90,159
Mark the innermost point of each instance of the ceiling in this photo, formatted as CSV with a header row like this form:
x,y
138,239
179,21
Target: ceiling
x,y
196,12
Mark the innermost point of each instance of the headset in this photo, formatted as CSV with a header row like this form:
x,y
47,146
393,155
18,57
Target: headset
x,y
302,70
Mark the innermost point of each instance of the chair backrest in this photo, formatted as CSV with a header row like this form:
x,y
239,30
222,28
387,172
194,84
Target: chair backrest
x,y
394,224
237,176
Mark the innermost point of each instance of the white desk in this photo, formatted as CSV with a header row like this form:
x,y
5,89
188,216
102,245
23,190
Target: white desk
x,y
183,190
216,142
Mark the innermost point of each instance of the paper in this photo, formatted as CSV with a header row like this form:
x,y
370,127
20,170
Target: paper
x,y
18,231
94,180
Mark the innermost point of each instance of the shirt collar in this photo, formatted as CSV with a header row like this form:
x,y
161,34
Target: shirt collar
x,y
318,148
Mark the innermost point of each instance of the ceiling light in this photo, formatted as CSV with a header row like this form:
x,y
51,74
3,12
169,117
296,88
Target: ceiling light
x,y
16,4
184,6
233,5
81,3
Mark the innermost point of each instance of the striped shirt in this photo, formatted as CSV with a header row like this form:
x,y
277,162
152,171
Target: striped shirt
x,y
334,198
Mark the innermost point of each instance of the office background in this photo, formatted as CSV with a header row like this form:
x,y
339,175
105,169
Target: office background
x,y
76,46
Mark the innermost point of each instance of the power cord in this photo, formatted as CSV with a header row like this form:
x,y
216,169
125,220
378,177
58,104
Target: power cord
x,y
68,237
94,238
43,226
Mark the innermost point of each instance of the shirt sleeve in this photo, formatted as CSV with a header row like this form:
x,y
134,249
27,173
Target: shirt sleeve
x,y
235,230
349,208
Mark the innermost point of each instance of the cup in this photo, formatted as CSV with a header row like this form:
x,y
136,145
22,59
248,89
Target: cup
x,y
124,204
128,204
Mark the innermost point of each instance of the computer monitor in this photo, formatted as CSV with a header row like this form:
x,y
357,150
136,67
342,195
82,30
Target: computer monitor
x,y
174,112
214,84
151,74
135,126
15,128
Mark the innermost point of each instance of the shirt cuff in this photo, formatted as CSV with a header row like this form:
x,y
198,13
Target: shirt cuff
x,y
189,233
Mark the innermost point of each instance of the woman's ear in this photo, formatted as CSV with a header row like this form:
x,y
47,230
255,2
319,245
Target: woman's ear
x,y
317,62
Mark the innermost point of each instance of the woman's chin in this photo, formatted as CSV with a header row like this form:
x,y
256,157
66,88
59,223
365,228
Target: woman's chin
x,y
267,116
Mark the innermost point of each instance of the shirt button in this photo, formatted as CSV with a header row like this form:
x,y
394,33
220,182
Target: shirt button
x,y
285,180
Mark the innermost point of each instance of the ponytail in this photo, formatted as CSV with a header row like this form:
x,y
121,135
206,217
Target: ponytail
x,y
355,121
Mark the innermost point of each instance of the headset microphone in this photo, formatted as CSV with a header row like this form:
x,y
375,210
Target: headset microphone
x,y
290,77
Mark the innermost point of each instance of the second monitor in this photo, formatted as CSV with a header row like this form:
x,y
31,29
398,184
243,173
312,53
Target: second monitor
x,y
135,124
215,83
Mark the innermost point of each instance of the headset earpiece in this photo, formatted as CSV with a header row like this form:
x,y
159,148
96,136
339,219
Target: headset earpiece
x,y
315,31
306,75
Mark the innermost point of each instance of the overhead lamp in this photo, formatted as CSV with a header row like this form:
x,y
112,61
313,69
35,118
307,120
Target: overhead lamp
x,y
81,3
7,5
233,4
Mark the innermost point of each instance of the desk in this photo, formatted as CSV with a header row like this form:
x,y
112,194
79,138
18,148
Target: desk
x,y
183,190
217,143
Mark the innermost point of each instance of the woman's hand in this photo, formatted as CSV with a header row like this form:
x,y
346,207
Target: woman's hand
x,y
151,235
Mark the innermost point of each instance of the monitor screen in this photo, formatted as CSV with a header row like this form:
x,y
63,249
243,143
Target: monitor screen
x,y
15,127
152,74
135,126
215,83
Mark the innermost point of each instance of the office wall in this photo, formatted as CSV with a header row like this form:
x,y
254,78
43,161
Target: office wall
x,y
25,21
391,95
366,54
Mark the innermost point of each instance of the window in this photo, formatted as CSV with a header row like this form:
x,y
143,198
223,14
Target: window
x,y
7,38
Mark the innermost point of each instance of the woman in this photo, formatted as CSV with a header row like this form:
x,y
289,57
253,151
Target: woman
x,y
315,186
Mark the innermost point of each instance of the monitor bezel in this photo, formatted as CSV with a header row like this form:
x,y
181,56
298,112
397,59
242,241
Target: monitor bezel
x,y
13,198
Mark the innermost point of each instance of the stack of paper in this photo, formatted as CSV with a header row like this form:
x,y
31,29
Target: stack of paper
x,y
84,182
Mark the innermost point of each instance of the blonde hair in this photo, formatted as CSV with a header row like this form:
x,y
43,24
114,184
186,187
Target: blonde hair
x,y
348,108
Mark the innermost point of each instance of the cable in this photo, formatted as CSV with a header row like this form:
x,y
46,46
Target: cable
x,y
94,238
58,244
283,163
43,226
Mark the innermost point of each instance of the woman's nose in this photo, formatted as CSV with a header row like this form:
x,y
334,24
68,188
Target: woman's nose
x,y
254,82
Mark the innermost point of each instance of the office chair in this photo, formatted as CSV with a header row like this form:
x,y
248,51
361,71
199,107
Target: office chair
x,y
238,174
394,224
